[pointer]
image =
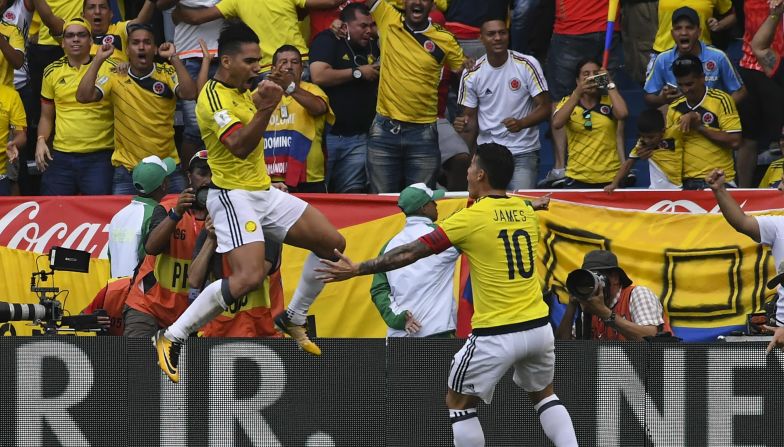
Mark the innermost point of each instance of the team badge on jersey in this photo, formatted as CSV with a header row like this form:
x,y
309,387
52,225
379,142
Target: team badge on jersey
x,y
9,16
708,118
710,65
604,110
250,226
158,88
222,118
108,39
515,84
429,46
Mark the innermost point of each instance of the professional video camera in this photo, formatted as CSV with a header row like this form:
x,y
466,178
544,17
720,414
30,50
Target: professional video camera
x,y
583,284
49,312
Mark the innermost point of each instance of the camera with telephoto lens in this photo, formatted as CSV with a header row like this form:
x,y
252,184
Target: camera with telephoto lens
x,y
602,80
200,202
583,284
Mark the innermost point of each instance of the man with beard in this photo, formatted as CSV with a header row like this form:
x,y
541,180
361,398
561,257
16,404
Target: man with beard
x,y
661,87
144,100
80,158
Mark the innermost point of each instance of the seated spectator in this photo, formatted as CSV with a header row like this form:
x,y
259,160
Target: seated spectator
x,y
160,289
347,69
293,139
80,158
13,131
129,227
250,315
661,147
709,122
714,16
773,175
593,119
111,298
618,309
98,13
144,100
505,98
660,86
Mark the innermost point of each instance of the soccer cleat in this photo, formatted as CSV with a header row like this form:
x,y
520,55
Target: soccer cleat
x,y
554,179
298,332
168,355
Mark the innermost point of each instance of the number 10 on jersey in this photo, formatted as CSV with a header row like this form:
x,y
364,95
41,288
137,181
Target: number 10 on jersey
x,y
514,255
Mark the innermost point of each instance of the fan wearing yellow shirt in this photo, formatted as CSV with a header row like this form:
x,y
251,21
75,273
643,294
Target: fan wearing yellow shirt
x,y
709,122
80,158
715,16
144,100
99,14
510,329
276,22
12,52
13,124
244,208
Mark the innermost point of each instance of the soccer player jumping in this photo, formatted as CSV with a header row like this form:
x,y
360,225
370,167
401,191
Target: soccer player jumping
x,y
499,234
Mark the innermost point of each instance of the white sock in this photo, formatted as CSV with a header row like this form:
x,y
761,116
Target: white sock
x,y
208,305
466,428
556,422
307,290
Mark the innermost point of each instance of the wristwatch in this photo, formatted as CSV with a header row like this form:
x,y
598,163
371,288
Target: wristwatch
x,y
611,86
290,89
356,73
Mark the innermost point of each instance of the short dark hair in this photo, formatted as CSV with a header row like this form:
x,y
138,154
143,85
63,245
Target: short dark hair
x,y
650,120
349,13
233,34
285,49
491,19
582,63
687,65
497,162
132,28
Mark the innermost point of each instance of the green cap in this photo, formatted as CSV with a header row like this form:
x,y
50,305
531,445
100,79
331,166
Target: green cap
x,y
149,174
416,196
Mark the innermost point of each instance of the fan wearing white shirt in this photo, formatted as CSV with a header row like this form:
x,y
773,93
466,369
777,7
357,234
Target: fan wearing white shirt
x,y
505,98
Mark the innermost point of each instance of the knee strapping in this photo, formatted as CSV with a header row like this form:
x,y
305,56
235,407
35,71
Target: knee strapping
x,y
228,300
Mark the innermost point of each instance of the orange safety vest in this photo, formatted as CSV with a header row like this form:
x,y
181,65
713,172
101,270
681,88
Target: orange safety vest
x,y
112,299
161,287
250,315
622,308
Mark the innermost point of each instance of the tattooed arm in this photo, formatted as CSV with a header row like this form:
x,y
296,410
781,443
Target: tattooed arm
x,y
398,257
761,43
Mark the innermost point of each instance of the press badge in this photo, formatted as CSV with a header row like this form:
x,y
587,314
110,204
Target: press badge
x,y
284,112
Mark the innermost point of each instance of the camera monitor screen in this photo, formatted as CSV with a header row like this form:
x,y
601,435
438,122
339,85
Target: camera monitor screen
x,y
68,260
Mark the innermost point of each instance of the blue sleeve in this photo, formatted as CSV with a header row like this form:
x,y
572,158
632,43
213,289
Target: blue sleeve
x,y
730,79
656,80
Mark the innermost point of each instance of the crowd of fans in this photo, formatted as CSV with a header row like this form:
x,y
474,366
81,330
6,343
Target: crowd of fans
x,y
381,95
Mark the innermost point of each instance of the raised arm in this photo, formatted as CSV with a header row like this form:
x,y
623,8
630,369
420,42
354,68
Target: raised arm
x,y
145,14
245,140
763,39
87,91
398,257
730,209
186,87
54,23
196,16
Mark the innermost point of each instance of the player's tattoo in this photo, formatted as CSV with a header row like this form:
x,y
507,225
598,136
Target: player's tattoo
x,y
768,60
397,257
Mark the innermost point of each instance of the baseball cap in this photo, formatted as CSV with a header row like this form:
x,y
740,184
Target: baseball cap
x,y
778,279
199,157
605,260
687,13
149,174
416,196
78,21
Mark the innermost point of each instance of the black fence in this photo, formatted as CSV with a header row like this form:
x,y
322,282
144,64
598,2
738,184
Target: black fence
x,y
108,391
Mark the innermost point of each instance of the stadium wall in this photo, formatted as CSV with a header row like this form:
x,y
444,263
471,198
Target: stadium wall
x,y
107,391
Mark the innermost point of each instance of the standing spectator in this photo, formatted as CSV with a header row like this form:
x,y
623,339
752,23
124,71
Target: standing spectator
x,y
347,69
403,141
189,50
418,300
465,17
594,127
761,114
709,122
13,131
578,33
660,85
293,140
144,100
159,293
505,98
638,30
714,16
80,159
12,50
129,227
260,17
98,13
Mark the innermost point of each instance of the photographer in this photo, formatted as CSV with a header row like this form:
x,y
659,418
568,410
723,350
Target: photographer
x,y
619,310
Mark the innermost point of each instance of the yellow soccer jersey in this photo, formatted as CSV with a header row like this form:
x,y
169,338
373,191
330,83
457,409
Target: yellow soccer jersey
x,y
668,157
79,128
294,140
700,155
221,110
117,35
260,17
705,9
773,174
499,235
591,140
412,64
66,10
17,42
143,113
12,114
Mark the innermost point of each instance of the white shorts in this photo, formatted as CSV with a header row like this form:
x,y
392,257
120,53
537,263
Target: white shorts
x,y
483,360
241,217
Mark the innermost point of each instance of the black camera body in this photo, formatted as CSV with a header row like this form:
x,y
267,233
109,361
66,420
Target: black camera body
x,y
583,284
200,201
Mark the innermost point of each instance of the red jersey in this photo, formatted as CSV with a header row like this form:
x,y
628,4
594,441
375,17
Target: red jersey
x,y
581,16
756,11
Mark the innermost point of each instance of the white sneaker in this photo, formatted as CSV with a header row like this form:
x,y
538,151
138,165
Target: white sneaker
x,y
554,179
